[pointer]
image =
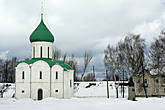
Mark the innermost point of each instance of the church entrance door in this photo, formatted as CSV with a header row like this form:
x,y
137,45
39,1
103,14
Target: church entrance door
x,y
40,94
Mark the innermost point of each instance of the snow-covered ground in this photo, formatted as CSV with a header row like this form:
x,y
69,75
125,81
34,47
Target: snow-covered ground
x,y
91,98
9,89
83,104
98,90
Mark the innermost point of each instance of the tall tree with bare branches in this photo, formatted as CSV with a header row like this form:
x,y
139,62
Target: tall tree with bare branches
x,y
128,56
133,51
56,54
87,58
73,63
157,54
64,57
111,62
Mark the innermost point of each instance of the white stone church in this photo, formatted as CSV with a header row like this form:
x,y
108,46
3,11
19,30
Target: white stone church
x,y
42,77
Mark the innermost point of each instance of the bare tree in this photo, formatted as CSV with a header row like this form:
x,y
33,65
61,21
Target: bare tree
x,y
1,70
111,62
123,67
64,57
73,63
13,62
93,78
88,77
123,59
133,51
9,70
56,54
87,59
128,56
107,83
157,54
6,70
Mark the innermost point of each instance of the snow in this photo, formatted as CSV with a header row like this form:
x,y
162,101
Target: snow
x,y
99,90
83,104
92,98
10,90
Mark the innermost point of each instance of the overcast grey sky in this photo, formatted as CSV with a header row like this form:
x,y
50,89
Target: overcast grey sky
x,y
78,25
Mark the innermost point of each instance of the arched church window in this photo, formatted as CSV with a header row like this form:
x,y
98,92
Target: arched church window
x,y
41,52
33,52
70,83
48,52
40,74
56,74
23,75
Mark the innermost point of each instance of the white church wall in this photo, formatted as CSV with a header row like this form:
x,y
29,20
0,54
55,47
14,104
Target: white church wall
x,y
71,78
38,83
35,72
44,46
36,86
57,83
57,90
22,90
59,70
68,84
22,84
22,67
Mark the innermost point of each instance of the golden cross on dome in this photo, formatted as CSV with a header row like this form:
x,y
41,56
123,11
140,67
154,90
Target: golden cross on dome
x,y
42,9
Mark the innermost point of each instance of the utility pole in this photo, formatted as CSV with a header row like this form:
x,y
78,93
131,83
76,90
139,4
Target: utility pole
x,y
107,84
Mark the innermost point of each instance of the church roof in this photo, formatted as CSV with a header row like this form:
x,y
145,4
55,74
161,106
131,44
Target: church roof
x,y
49,61
41,33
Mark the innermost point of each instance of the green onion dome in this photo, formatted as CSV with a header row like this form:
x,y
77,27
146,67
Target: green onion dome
x,y
41,33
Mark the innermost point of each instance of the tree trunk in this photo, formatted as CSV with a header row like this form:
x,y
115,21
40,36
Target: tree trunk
x,y
6,72
107,84
123,91
123,85
144,87
117,92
